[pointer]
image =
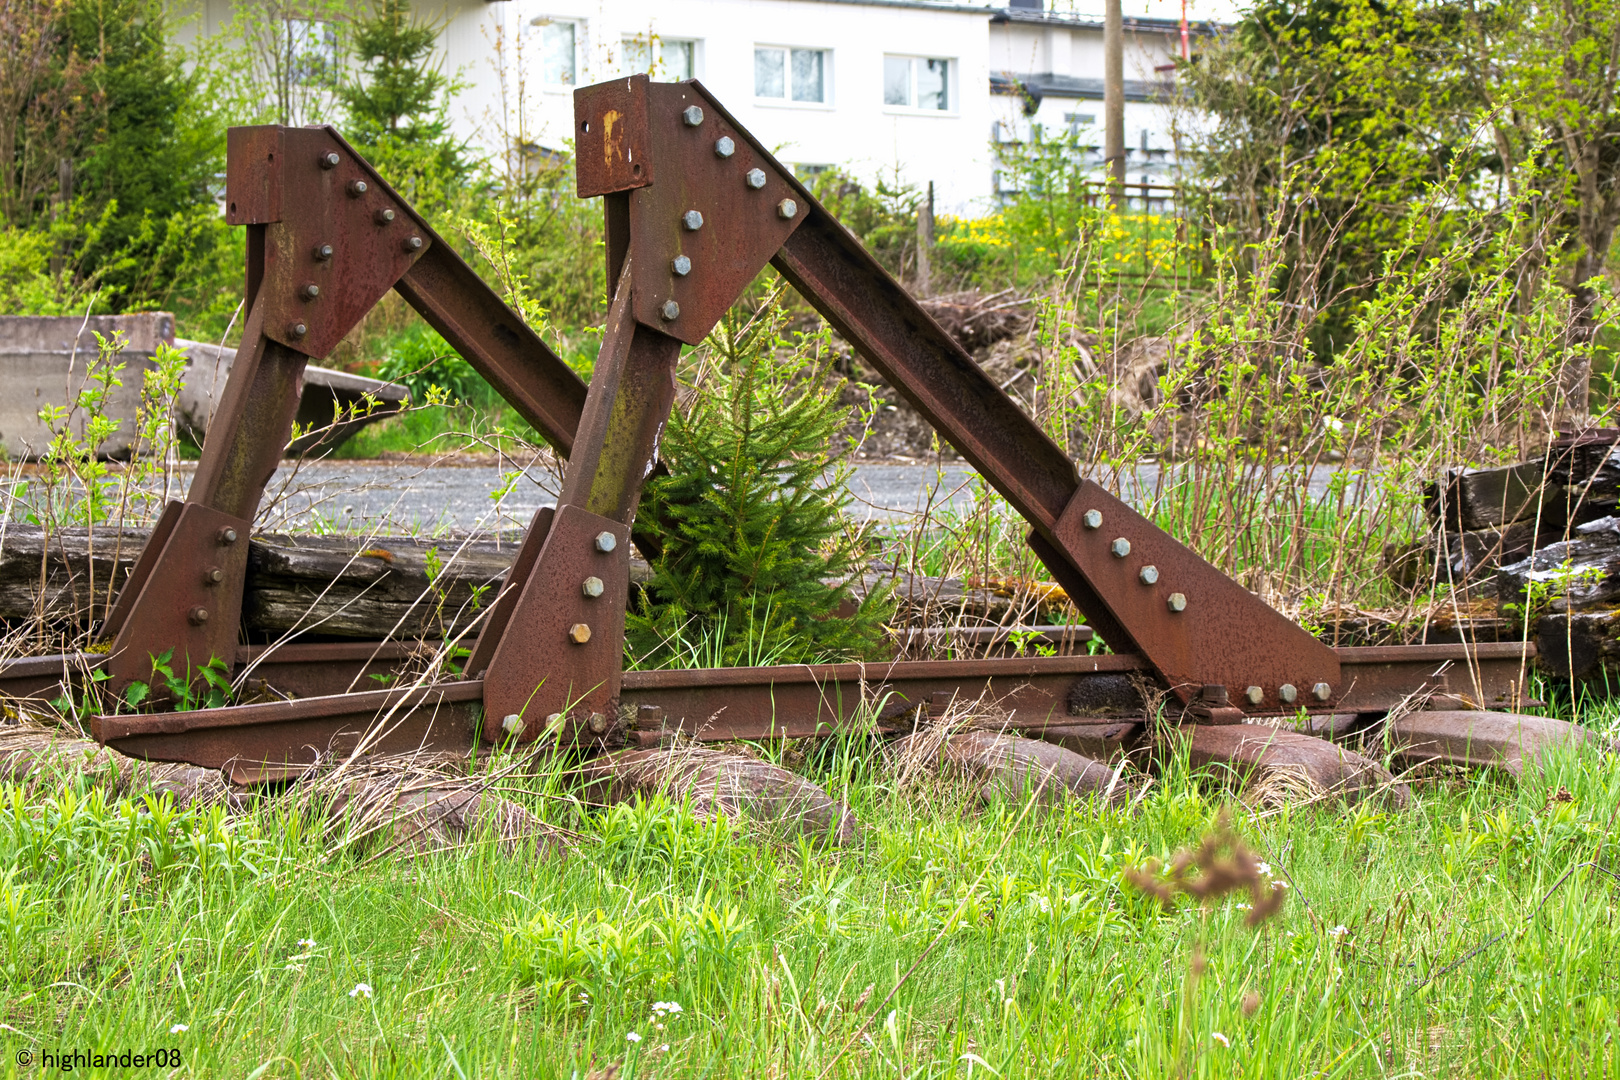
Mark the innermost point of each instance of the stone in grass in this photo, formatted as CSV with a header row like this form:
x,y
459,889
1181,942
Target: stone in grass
x,y
38,756
1010,767
715,782
1280,766
403,807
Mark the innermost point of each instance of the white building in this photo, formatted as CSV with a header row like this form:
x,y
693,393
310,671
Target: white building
x,y
911,90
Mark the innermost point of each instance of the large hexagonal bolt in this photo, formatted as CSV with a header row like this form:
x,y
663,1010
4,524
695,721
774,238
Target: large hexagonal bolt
x,y
1321,691
692,116
1092,519
213,576
384,216
297,330
1254,695
1149,575
1121,547
330,160
693,220
598,722
357,188
197,616
1287,693
606,541
310,291
592,587
724,147
323,252
1177,602
579,633
682,266
413,243
670,311
755,178
512,724
787,208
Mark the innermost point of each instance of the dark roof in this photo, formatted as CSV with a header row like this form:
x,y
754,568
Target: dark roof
x,y
1138,23
1045,84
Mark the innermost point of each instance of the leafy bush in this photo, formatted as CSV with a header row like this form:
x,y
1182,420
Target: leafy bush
x,y
419,359
757,555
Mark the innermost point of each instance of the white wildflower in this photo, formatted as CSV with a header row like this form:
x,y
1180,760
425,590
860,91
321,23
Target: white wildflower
x,y
178,1028
664,1049
1222,1039
361,990
1264,868
1339,931
633,1037
306,943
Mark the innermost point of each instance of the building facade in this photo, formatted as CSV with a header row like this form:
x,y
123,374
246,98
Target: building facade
x,y
912,91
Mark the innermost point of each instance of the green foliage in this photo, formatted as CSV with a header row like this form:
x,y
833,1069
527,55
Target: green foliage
x,y
419,359
209,687
756,553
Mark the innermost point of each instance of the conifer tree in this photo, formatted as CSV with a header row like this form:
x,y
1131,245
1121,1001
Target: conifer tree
x,y
757,555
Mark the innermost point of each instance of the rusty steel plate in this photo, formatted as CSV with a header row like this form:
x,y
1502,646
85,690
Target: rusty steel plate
x,y
1194,624
253,160
350,239
190,603
1497,740
254,741
563,649
1490,675
746,206
611,149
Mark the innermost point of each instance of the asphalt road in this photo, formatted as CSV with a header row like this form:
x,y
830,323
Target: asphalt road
x,y
408,497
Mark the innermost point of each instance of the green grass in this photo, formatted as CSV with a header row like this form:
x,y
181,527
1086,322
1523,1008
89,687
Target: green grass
x,y
119,922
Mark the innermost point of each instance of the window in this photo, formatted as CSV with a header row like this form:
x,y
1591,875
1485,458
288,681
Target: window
x,y
796,74
558,48
1078,122
676,59
311,51
916,82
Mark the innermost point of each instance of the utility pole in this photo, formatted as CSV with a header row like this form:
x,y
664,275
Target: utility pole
x,y
925,242
1114,101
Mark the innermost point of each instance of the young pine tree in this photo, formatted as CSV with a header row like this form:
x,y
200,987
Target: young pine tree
x,y
396,107
757,554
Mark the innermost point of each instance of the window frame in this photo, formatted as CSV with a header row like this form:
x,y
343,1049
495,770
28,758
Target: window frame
x,y
640,41
787,100
538,26
952,101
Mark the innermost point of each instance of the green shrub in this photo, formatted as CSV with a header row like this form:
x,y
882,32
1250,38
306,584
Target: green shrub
x,y
757,554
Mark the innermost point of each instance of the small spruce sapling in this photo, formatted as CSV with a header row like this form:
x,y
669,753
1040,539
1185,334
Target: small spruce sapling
x,y
758,555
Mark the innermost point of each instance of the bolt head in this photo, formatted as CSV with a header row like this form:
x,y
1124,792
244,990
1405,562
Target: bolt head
x,y
1177,602
214,576
1321,691
323,252
1121,547
227,535
512,724
787,208
357,188
330,160
606,541
1287,693
692,116
1254,695
297,330
598,722
592,587
1149,575
1092,519
384,217
670,311
310,291
197,616
413,243
579,633
693,220
724,147
755,178
682,266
